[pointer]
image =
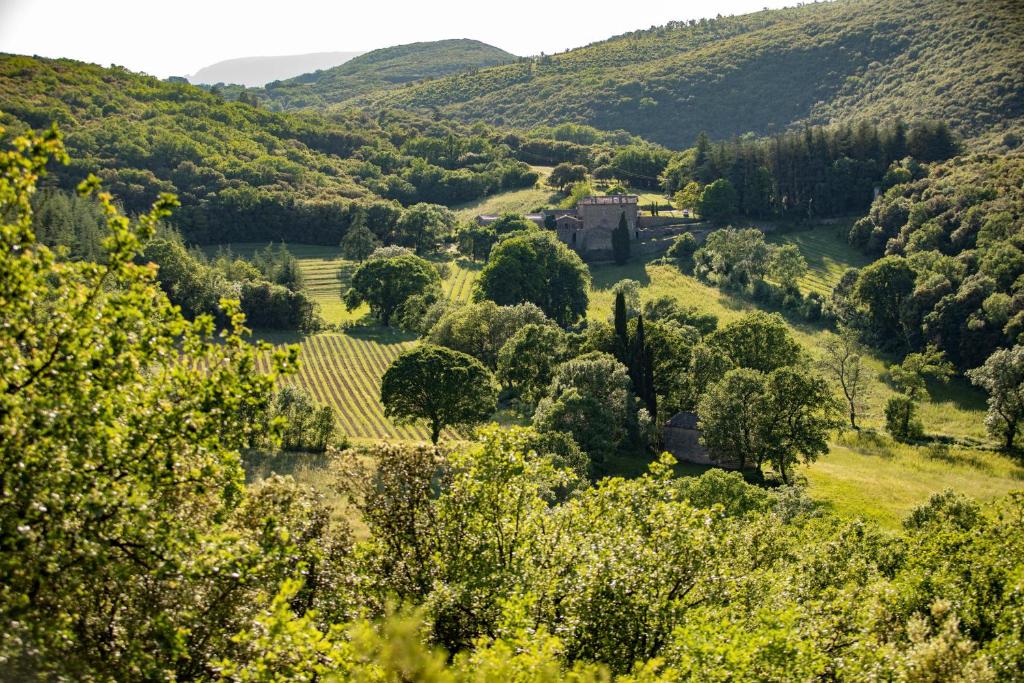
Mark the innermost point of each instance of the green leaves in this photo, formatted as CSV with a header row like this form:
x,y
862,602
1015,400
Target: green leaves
x,y
444,387
119,428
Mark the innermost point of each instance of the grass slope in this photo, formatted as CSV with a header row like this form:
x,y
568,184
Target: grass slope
x,y
867,476
876,479
827,252
763,72
343,369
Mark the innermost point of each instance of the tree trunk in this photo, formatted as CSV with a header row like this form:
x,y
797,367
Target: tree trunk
x,y
435,432
853,418
1011,432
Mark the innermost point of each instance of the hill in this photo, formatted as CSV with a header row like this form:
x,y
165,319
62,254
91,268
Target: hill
x,y
257,71
243,173
385,69
763,72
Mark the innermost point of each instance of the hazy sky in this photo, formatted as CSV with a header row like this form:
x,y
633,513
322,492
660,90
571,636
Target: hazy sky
x,y
185,35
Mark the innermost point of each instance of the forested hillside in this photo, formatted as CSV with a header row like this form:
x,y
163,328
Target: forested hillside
x,y
384,69
241,172
819,63
951,276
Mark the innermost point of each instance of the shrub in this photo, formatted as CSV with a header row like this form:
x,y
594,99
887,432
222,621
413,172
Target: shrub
x,y
901,419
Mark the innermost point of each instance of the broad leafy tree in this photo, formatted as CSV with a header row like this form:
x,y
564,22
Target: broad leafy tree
x,y
482,328
590,398
566,174
786,265
443,387
911,376
1002,376
733,258
796,414
901,419
688,197
665,308
386,283
718,200
513,222
359,241
730,418
527,361
538,269
843,365
127,549
422,226
759,341
475,241
884,289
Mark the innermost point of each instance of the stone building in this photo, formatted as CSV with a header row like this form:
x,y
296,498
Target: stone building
x,y
682,439
587,229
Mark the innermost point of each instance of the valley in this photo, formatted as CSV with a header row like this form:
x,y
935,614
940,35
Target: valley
x,y
695,353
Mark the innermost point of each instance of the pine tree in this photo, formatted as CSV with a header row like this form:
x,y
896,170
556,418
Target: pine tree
x,y
359,241
621,241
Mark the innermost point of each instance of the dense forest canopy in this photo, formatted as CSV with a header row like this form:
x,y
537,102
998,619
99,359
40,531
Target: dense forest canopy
x,y
763,72
953,241
243,173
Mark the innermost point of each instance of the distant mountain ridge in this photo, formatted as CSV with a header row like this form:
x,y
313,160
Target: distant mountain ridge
x,y
384,69
763,72
258,71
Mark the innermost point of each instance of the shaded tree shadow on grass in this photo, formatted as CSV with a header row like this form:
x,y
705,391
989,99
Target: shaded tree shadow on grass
x,y
604,276
371,331
259,464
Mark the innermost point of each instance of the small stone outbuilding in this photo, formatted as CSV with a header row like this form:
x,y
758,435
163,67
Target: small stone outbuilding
x,y
681,435
682,439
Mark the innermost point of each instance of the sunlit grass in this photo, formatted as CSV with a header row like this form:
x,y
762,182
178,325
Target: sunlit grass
x,y
847,479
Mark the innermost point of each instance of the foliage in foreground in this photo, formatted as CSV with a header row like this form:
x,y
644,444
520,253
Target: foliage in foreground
x,y
132,550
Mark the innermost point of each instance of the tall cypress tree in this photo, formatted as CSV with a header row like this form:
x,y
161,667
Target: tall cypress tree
x,y
621,329
621,241
641,368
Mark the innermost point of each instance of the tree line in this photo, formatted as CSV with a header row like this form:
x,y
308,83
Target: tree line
x,y
821,171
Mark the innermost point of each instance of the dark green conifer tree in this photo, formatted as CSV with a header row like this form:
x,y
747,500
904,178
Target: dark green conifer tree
x,y
641,368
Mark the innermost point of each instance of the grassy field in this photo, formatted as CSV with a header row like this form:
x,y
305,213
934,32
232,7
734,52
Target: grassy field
x,y
326,275
865,476
343,369
519,201
827,252
878,480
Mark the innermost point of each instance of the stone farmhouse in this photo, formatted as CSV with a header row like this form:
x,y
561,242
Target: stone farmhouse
x,y
587,229
681,436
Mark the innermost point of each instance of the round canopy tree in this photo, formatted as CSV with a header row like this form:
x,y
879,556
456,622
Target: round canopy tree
x,y
444,387
759,341
386,283
536,268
